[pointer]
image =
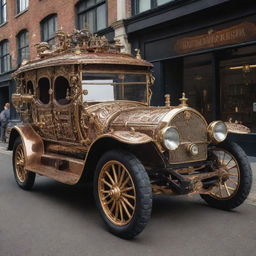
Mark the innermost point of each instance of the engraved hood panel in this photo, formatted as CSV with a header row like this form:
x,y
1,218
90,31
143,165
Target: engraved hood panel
x,y
126,114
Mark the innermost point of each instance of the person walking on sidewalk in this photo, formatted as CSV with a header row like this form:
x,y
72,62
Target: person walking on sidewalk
x,y
4,119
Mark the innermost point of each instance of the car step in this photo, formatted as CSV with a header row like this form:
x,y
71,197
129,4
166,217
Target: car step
x,y
61,168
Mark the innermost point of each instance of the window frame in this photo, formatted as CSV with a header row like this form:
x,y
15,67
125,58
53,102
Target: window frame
x,y
4,56
18,6
153,4
56,101
94,9
39,89
20,48
3,8
45,22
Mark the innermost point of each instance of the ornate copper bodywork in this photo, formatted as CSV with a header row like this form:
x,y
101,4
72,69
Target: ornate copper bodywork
x,y
63,140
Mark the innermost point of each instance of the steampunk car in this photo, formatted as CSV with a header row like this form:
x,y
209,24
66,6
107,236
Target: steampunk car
x,y
86,116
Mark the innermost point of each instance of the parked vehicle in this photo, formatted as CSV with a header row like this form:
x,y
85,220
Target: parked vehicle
x,y
86,116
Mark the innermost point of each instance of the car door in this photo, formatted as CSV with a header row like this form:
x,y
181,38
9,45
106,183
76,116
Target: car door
x,y
63,110
42,107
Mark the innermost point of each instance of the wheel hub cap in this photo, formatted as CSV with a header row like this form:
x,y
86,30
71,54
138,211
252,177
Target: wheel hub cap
x,y
115,192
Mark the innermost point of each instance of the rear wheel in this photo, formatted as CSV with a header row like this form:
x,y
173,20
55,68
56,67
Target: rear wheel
x,y
123,193
25,179
232,189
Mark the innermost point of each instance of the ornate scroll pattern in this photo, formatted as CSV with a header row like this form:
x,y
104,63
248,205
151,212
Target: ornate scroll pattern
x,y
80,41
44,123
143,116
64,125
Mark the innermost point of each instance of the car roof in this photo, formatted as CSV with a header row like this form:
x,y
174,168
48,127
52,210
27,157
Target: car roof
x,y
84,58
81,47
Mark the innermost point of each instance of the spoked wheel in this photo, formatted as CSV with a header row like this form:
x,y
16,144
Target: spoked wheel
x,y
123,193
232,188
25,179
117,193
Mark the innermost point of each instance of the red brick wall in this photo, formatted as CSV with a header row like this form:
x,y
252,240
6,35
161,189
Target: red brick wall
x,y
112,11
129,8
37,11
30,20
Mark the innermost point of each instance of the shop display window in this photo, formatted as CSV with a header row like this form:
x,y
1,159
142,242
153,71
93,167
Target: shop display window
x,y
198,81
238,91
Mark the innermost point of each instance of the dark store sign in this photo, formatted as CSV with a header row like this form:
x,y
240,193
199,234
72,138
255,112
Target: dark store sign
x,y
243,32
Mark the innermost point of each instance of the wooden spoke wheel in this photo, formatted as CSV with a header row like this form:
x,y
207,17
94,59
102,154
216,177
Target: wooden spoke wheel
x,y
123,193
20,163
25,179
117,193
228,185
234,186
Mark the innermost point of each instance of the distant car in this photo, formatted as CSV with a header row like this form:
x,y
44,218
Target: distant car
x,y
87,116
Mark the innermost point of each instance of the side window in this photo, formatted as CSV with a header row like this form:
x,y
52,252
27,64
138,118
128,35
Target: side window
x,y
29,87
61,90
43,90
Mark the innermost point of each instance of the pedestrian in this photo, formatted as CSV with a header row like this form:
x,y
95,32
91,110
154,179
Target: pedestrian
x,y
4,119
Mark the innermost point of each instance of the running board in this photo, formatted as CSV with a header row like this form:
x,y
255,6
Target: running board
x,y
61,168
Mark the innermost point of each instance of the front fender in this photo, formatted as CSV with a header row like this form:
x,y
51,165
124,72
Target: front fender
x,y
130,137
33,144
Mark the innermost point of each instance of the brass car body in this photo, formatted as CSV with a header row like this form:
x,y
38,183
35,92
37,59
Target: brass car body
x,y
65,141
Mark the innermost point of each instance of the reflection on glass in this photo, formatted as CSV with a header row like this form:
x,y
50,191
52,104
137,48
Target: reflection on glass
x,y
160,2
112,86
144,5
198,82
101,17
238,92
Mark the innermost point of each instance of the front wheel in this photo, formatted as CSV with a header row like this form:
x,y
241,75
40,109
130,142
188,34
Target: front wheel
x,y
123,193
25,179
233,188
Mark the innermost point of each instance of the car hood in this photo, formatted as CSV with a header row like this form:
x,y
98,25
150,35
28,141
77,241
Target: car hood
x,y
122,115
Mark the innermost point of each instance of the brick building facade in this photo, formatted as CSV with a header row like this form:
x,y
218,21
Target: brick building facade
x,y
195,46
18,16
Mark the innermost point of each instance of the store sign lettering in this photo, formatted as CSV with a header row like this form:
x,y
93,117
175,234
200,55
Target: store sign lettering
x,y
243,32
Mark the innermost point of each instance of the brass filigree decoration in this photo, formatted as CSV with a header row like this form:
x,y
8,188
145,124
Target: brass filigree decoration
x,y
80,41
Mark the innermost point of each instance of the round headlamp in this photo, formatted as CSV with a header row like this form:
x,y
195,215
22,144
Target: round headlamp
x,y
171,138
217,131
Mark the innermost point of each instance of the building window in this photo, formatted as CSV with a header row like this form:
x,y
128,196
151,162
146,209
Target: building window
x,y
48,29
22,5
2,11
92,13
5,58
144,5
23,46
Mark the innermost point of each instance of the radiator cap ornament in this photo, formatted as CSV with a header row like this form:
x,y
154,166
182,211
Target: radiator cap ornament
x,y
183,100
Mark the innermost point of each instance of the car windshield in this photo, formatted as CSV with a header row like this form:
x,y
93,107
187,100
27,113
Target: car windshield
x,y
114,86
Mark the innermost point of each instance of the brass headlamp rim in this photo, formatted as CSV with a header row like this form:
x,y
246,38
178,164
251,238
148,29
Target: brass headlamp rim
x,y
162,133
210,131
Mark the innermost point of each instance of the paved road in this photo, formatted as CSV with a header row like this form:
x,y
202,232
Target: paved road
x,y
56,219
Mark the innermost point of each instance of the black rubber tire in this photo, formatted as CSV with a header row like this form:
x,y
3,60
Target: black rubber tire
x,y
30,180
143,188
245,179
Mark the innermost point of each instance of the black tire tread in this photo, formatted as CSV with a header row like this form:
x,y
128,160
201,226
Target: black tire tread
x,y
144,199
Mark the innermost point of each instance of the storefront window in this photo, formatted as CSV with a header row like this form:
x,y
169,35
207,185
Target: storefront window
x,y
238,91
198,84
